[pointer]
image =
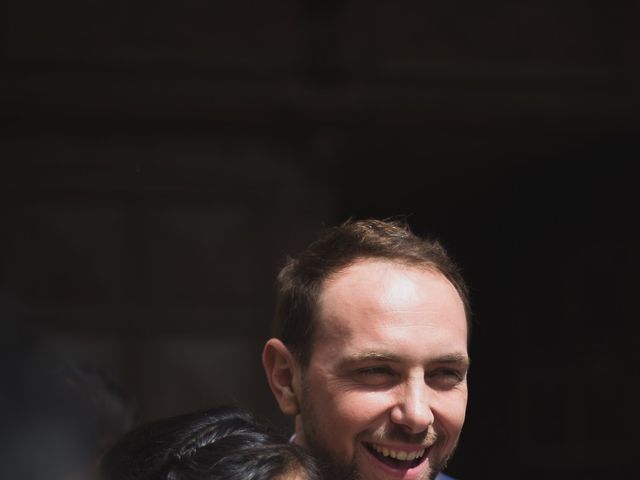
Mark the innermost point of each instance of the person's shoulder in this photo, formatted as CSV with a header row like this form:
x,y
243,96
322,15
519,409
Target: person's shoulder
x,y
442,476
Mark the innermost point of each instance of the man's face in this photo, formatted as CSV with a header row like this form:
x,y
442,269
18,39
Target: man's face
x,y
385,391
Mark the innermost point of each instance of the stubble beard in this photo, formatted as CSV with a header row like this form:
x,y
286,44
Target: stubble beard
x,y
332,468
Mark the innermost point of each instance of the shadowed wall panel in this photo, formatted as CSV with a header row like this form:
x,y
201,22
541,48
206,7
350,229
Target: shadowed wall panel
x,y
160,159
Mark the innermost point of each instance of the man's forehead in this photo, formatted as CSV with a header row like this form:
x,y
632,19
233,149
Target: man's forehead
x,y
381,302
368,282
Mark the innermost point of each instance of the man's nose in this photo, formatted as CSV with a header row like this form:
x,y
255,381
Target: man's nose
x,y
413,407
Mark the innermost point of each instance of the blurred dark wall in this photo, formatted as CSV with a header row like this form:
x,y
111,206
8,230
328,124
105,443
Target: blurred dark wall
x,y
160,159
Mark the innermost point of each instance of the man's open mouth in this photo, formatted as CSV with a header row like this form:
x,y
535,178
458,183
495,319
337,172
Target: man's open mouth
x,y
404,459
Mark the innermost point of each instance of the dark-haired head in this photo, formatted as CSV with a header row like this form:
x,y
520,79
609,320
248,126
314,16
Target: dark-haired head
x,y
301,279
223,443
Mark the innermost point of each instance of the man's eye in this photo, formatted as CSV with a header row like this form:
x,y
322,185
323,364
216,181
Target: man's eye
x,y
376,376
446,378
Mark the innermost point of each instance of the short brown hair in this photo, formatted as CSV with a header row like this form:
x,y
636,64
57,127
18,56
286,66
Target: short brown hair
x,y
301,279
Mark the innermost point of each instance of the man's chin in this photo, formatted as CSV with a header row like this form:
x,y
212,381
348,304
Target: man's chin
x,y
366,465
368,468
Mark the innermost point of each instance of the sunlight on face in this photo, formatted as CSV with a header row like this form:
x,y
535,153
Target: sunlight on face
x,y
385,390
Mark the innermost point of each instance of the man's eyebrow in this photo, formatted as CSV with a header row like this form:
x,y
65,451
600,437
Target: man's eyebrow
x,y
455,358
363,357
381,356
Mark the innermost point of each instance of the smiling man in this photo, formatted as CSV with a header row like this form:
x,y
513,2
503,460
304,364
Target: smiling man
x,y
370,352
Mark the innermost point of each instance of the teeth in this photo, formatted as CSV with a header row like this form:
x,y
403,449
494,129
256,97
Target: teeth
x,y
401,455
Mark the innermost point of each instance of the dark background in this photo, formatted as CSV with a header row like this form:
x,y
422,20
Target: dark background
x,y
159,159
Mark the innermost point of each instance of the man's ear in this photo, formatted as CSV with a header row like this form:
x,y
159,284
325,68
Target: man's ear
x,y
283,374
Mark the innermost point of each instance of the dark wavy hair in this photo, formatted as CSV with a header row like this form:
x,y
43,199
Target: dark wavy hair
x,y
223,443
300,281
